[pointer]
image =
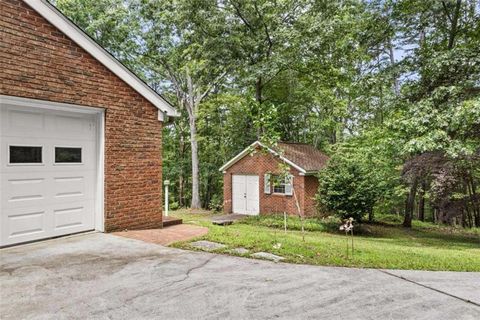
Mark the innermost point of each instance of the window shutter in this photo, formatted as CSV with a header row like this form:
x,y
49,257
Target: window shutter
x,y
289,185
267,186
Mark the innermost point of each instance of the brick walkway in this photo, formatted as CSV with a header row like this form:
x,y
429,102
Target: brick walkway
x,y
165,236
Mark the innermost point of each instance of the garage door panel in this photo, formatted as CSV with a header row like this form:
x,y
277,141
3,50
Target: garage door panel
x,y
24,190
54,197
73,216
68,188
25,223
25,119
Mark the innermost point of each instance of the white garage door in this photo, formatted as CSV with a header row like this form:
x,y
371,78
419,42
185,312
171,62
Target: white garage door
x,y
245,194
48,172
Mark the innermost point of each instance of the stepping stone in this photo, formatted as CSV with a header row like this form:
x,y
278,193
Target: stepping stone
x,y
227,219
207,245
222,222
268,256
240,251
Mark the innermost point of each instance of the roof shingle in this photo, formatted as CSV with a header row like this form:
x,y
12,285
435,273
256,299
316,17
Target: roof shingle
x,y
303,155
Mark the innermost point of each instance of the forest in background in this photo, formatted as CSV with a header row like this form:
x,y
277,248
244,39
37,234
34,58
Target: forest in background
x,y
389,89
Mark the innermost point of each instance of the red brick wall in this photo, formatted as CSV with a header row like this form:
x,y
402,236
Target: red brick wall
x,y
259,163
311,188
38,61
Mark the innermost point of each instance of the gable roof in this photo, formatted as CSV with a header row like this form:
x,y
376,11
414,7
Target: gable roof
x,y
303,157
61,22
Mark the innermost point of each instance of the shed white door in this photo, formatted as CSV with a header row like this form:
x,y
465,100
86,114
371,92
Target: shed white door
x,y
48,172
245,194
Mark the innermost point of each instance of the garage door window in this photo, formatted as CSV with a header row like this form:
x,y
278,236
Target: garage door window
x,y
25,155
68,155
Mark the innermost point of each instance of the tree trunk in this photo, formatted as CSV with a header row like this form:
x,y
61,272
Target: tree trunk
x,y
181,193
410,204
454,24
391,54
474,200
192,114
259,99
421,202
195,172
258,90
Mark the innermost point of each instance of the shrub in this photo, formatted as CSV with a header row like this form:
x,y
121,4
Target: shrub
x,y
346,189
174,205
276,221
216,203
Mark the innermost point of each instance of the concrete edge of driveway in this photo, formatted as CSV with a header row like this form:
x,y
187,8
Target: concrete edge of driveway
x,y
102,274
59,238
457,285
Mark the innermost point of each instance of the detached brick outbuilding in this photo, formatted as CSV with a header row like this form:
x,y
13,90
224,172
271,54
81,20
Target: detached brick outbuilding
x,y
255,181
80,134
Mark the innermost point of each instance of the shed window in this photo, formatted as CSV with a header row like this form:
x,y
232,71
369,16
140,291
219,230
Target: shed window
x,y
282,185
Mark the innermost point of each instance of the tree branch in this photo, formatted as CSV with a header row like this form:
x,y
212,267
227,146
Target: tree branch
x,y
265,28
240,15
446,11
210,87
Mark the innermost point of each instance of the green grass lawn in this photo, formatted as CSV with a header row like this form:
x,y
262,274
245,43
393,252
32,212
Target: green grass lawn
x,y
380,245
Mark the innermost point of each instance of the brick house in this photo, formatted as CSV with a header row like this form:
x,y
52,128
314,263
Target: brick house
x,y
255,182
80,135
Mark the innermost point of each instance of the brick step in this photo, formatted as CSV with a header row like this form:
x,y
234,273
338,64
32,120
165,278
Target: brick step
x,y
171,221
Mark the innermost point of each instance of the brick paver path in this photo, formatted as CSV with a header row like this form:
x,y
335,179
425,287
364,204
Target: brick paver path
x,y
167,235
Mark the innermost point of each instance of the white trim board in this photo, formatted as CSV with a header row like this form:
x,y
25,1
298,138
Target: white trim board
x,y
61,22
250,148
44,104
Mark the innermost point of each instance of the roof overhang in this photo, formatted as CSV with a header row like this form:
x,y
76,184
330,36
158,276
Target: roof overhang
x,y
252,147
310,173
56,18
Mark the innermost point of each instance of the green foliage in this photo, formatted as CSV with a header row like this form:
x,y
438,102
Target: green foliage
x,y
216,203
174,206
110,23
293,222
347,189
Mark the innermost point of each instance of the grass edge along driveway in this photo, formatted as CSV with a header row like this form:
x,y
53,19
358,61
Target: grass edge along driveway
x,y
383,245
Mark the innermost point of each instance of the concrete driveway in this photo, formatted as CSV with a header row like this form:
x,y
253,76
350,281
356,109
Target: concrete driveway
x,y
100,276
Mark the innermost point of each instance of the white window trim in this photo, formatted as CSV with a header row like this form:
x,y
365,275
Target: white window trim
x,y
273,176
55,163
24,163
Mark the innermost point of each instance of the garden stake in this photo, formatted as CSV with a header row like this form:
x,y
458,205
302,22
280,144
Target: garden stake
x,y
347,226
352,241
346,237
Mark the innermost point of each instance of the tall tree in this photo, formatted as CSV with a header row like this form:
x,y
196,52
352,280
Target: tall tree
x,y
438,114
177,50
